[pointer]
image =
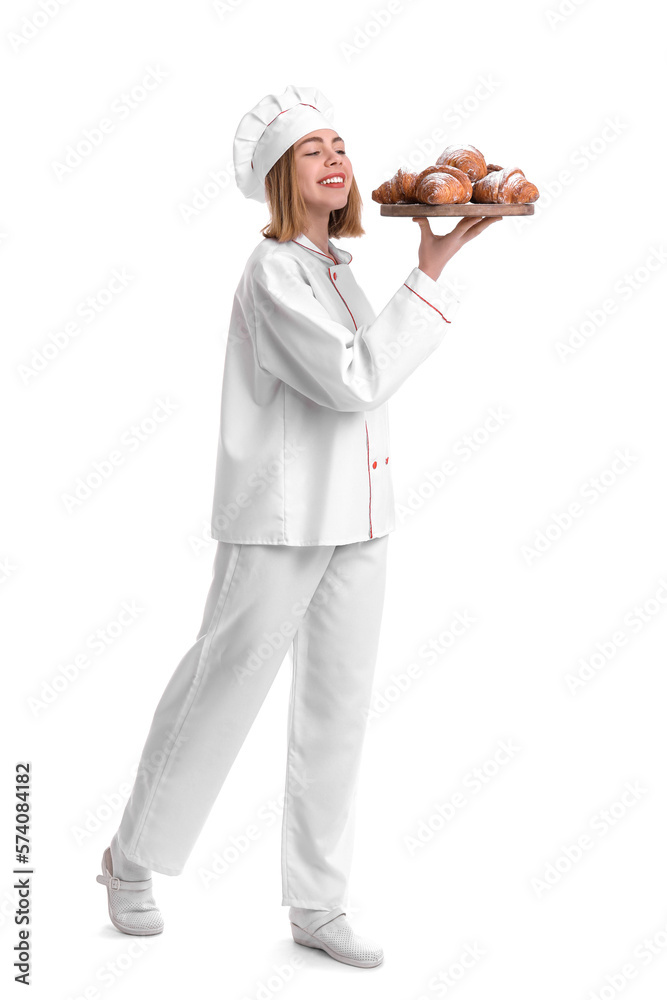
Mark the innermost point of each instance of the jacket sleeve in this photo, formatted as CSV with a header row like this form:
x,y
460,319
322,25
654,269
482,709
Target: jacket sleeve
x,y
299,342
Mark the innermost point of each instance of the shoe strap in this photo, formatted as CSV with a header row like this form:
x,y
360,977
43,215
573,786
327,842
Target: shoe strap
x,y
113,882
322,919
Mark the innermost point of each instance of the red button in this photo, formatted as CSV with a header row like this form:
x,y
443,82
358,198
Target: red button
x,y
386,459
334,274
375,465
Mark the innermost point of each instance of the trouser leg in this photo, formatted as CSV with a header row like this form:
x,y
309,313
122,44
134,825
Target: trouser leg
x,y
257,599
335,650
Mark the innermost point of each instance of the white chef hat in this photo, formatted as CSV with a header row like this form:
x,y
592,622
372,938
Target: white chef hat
x,y
270,128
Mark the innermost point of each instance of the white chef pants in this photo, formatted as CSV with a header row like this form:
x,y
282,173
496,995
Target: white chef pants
x,y
327,601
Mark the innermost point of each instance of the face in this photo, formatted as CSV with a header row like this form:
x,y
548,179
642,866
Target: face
x,y
321,154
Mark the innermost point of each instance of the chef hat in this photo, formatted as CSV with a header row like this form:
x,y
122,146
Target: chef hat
x,y
270,128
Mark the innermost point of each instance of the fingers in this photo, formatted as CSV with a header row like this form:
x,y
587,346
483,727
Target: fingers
x,y
464,225
465,222
480,225
476,220
422,218
487,220
465,228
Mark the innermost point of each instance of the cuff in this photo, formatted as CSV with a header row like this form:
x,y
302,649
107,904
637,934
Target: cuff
x,y
438,294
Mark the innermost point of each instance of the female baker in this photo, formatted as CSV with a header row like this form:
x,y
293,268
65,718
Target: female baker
x,y
302,510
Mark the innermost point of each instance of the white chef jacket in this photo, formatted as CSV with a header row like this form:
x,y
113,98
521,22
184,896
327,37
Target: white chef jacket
x,y
303,450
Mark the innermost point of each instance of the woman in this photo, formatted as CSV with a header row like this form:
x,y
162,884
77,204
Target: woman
x,y
302,509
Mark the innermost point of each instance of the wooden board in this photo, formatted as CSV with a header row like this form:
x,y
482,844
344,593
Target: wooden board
x,y
402,209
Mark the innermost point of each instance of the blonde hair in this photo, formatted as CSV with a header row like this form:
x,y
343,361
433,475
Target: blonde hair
x,y
289,215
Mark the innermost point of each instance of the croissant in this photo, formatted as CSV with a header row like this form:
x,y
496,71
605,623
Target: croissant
x,y
466,158
443,185
401,187
504,186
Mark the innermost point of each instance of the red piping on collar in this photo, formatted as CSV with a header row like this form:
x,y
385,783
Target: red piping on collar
x,y
314,251
320,252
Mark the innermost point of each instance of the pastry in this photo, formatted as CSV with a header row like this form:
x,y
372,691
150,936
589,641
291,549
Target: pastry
x,y
459,175
504,186
466,158
443,185
401,187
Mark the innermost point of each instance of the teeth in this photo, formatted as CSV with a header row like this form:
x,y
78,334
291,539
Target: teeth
x,y
333,180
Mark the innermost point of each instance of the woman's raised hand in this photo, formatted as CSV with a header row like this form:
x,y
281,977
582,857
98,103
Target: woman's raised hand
x,y
435,251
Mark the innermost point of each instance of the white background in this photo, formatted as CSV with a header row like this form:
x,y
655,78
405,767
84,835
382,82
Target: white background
x,y
576,100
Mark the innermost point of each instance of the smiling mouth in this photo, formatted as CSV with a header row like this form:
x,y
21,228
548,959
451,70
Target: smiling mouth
x,y
334,182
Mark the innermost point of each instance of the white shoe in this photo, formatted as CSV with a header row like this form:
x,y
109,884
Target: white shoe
x,y
335,936
131,905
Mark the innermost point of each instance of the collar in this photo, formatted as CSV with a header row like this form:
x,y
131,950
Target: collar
x,y
335,256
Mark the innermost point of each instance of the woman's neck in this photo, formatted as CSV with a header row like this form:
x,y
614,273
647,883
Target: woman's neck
x,y
319,235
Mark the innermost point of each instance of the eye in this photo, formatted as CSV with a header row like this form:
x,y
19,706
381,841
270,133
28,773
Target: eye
x,y
341,151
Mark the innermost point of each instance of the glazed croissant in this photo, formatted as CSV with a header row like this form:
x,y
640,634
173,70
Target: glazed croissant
x,y
436,185
504,186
